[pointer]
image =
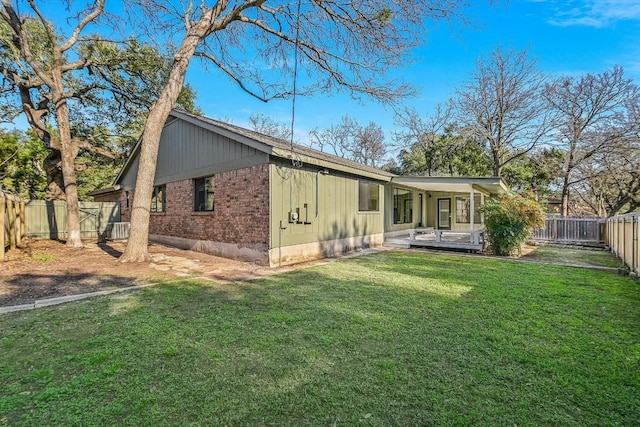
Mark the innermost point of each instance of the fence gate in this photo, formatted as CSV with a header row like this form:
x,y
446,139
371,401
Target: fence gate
x,y
48,219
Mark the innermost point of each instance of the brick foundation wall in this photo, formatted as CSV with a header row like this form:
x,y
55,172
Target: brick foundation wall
x,y
240,216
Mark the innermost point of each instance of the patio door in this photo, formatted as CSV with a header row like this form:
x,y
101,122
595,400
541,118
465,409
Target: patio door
x,y
444,214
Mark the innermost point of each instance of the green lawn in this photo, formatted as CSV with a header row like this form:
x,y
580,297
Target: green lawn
x,y
575,255
396,338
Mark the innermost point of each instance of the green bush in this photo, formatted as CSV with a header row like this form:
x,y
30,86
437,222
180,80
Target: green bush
x,y
509,221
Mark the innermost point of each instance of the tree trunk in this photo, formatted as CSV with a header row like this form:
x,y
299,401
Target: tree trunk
x,y
69,152
55,182
565,196
497,166
137,245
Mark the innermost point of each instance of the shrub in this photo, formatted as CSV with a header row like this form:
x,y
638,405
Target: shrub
x,y
509,221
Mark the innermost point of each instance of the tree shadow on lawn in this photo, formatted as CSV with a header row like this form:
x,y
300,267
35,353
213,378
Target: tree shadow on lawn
x,y
27,288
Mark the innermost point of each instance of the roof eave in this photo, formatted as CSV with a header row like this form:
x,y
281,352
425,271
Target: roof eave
x,y
106,190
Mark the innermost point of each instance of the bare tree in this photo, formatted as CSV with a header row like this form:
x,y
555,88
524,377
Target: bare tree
x,y
269,126
336,138
424,135
347,45
368,145
594,115
350,140
501,105
609,183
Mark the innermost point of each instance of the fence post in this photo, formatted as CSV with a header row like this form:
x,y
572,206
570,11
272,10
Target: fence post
x,y
23,219
3,204
12,222
16,206
636,245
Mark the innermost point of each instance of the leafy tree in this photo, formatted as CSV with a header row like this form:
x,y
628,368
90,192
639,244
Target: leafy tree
x,y
449,154
37,64
21,170
535,172
71,84
509,221
501,105
594,116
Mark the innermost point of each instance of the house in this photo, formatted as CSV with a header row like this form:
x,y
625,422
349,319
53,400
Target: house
x,y
232,192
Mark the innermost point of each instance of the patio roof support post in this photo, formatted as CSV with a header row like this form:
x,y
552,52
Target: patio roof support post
x,y
471,210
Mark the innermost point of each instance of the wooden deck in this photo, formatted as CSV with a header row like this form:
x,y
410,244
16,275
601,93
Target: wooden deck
x,y
428,237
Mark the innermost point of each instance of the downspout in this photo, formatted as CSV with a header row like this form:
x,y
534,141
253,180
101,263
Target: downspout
x,y
280,243
323,172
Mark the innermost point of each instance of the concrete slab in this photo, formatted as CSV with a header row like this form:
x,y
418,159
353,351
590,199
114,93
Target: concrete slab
x,y
17,308
69,298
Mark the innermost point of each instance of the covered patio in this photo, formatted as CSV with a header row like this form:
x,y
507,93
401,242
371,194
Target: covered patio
x,y
452,220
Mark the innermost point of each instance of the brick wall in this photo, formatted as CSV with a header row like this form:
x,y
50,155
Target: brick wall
x,y
240,216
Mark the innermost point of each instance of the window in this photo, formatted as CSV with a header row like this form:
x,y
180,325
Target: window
x,y
402,206
463,207
203,194
368,196
158,199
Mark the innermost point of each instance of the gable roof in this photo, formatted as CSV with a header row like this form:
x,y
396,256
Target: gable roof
x,y
286,150
278,147
269,145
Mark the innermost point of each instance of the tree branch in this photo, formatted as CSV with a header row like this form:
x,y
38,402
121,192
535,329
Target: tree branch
x,y
91,16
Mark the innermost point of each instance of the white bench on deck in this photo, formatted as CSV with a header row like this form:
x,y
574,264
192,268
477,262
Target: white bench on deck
x,y
476,236
475,242
421,230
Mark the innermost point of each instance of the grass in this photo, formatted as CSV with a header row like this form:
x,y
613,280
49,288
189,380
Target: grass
x,y
43,257
396,338
574,255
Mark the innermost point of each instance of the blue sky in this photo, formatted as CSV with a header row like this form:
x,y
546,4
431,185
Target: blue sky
x,y
565,37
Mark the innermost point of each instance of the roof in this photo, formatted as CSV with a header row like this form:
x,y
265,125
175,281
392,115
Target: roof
x,y
491,185
282,148
105,190
286,150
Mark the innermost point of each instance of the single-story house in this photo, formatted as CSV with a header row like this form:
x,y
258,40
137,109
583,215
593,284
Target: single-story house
x,y
236,193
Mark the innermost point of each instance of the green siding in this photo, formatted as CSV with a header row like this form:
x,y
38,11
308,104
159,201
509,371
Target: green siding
x,y
189,151
338,215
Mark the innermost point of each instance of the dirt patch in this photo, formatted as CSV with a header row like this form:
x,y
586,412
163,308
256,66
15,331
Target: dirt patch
x,y
42,269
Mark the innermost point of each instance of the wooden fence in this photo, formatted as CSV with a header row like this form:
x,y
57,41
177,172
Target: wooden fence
x,y
564,229
48,219
623,237
12,222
